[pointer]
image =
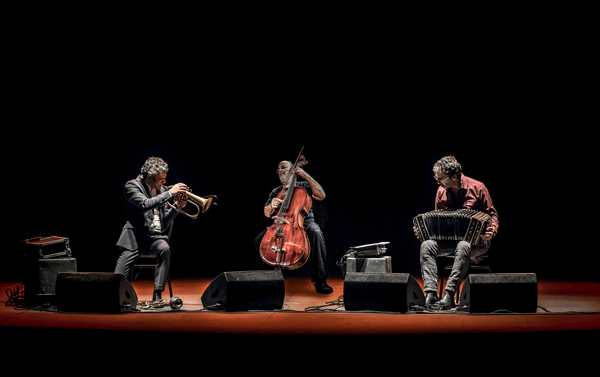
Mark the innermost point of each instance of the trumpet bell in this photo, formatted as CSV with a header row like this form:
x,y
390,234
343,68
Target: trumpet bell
x,y
199,201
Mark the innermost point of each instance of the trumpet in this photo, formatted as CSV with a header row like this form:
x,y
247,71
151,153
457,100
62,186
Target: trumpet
x,y
201,204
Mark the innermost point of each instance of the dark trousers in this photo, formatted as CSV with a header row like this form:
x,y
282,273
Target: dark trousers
x,y
463,252
158,247
318,250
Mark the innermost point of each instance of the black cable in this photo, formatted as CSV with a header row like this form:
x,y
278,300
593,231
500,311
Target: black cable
x,y
16,296
339,302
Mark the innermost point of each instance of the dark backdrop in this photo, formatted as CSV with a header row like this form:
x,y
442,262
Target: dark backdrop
x,y
374,95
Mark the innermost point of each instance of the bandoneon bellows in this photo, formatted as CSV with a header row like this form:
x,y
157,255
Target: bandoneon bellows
x,y
452,225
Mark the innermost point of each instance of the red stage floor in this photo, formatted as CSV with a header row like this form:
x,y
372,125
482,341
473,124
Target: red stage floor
x,y
568,324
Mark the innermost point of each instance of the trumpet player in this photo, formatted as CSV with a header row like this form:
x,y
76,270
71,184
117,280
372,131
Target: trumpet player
x,y
148,221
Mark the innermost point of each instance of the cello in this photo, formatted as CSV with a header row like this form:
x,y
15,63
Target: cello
x,y
285,243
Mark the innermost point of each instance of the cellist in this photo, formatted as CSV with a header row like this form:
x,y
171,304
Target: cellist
x,y
318,254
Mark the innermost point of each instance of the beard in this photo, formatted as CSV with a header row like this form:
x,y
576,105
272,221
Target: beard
x,y
284,178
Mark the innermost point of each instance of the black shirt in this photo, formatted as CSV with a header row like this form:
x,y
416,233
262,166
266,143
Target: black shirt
x,y
308,218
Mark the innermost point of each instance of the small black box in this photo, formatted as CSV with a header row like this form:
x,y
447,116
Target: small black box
x,y
40,279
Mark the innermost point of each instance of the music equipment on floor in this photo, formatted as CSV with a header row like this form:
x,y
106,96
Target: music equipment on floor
x,y
452,225
44,258
245,290
394,292
488,293
40,279
98,292
366,258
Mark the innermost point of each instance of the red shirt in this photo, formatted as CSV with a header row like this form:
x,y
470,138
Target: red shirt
x,y
472,194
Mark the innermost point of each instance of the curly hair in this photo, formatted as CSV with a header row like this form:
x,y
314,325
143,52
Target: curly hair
x,y
154,166
447,165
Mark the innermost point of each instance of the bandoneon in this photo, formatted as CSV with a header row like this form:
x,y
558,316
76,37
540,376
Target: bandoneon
x,y
452,225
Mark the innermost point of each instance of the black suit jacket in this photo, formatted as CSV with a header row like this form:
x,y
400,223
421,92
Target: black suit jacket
x,y
139,213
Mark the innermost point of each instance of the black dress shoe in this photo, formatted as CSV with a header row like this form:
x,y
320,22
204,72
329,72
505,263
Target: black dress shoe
x,y
156,296
431,299
447,301
323,288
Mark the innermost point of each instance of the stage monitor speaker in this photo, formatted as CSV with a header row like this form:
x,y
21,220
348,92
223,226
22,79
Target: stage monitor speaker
x,y
395,292
97,292
245,290
487,293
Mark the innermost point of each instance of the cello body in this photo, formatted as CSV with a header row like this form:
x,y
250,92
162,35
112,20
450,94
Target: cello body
x,y
285,244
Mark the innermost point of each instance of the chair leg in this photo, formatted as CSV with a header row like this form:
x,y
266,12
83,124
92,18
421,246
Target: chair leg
x,y
456,297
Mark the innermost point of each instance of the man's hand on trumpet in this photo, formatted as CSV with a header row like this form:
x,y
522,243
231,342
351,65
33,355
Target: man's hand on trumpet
x,y
179,187
178,191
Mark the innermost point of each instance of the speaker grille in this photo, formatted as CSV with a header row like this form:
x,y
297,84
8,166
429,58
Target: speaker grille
x,y
245,290
394,292
94,292
488,293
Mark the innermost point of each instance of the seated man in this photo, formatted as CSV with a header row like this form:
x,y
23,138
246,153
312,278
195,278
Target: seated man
x,y
455,191
148,219
318,254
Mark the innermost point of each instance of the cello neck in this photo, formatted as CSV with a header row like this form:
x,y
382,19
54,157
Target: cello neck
x,y
300,161
288,195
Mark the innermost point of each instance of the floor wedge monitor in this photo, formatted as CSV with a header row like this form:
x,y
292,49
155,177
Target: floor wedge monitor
x,y
99,292
395,292
488,293
245,290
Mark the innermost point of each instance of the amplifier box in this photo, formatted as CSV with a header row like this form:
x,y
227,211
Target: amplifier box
x,y
48,247
40,279
383,264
